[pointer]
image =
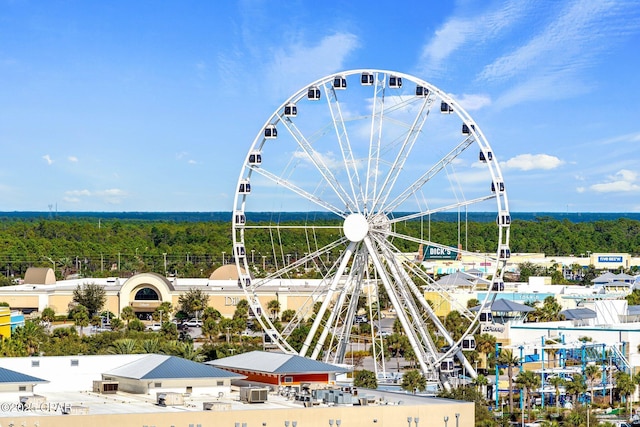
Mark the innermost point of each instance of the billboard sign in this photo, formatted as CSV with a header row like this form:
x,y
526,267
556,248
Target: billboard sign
x,y
438,252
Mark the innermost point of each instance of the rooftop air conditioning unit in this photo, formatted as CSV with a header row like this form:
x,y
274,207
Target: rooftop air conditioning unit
x,y
254,394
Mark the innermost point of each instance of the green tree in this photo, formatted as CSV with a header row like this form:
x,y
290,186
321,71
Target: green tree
x,y
193,301
592,373
365,379
576,387
80,316
90,295
507,358
413,380
557,382
124,346
128,314
527,381
274,308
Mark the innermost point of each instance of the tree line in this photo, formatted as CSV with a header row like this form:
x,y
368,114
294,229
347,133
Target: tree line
x,y
121,247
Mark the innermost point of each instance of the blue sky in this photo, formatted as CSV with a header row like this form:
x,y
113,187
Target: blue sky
x,y
152,106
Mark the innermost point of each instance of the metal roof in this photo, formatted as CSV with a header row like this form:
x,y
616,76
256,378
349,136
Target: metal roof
x,y
275,363
504,305
157,366
578,313
7,376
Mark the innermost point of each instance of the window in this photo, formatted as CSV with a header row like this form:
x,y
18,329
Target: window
x,y
74,362
146,294
189,389
219,383
288,379
22,388
157,385
35,363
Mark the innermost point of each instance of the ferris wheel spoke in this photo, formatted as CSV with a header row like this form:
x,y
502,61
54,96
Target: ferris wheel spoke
x,y
447,208
301,192
424,178
317,160
350,165
404,152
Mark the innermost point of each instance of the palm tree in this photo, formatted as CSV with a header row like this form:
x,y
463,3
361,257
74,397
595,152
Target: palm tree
x,y
128,314
396,343
413,381
576,386
480,382
124,346
274,308
592,373
625,386
507,357
557,382
150,346
485,345
528,380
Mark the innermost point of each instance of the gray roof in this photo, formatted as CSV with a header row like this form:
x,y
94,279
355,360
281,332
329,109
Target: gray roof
x,y
578,313
7,376
633,310
276,363
160,366
605,277
504,305
461,278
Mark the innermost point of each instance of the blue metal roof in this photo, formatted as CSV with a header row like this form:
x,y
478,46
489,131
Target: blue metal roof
x,y
158,366
8,376
578,313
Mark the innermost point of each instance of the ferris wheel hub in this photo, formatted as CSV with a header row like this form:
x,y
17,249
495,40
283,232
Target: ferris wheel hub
x,y
356,227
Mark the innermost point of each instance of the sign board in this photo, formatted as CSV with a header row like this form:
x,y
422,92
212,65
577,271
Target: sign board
x,y
610,258
438,252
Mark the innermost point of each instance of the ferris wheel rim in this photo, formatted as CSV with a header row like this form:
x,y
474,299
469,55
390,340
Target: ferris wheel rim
x,y
276,118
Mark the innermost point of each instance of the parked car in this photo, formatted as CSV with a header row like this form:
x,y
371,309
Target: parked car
x,y
154,327
193,323
360,319
384,334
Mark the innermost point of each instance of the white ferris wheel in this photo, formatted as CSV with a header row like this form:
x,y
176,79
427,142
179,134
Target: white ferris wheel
x,y
370,157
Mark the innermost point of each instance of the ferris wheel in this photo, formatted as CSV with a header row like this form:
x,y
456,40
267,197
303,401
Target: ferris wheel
x,y
367,158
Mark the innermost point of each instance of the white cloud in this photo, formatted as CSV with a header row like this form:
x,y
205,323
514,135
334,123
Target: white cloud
x,y
623,181
48,159
72,159
571,41
471,102
291,66
460,31
528,162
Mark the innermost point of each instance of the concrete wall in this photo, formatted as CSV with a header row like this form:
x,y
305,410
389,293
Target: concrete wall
x,y
357,416
60,373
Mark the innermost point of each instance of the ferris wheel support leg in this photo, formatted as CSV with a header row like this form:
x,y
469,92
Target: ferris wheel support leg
x,y
327,299
394,301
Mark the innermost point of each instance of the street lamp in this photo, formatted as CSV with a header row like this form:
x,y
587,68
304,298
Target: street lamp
x,y
409,419
223,253
253,253
446,420
457,418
